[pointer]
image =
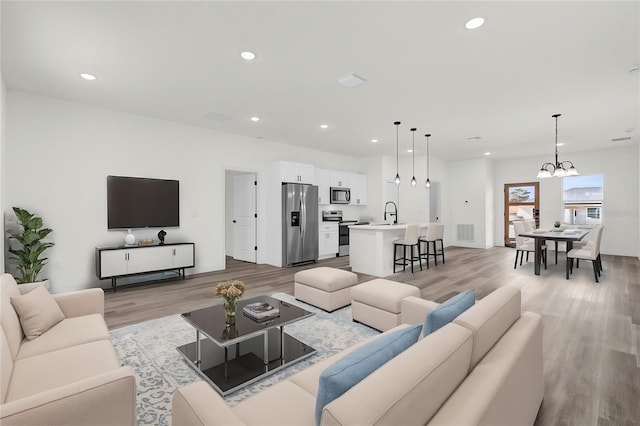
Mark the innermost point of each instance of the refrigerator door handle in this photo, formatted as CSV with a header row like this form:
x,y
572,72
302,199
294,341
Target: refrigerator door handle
x,y
302,221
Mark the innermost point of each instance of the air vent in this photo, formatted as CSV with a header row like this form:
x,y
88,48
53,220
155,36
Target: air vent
x,y
465,232
351,80
626,138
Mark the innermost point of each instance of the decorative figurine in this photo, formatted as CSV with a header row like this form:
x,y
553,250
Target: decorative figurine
x,y
161,236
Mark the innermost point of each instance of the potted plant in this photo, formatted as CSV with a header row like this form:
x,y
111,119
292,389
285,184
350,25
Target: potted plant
x,y
29,257
557,224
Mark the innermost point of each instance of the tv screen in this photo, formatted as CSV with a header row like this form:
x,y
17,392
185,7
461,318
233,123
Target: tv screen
x,y
142,203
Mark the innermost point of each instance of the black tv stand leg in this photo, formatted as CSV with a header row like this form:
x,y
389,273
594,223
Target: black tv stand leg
x,y
113,284
184,277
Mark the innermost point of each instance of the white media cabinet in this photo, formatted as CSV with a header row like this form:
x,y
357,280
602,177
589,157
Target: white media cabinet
x,y
119,261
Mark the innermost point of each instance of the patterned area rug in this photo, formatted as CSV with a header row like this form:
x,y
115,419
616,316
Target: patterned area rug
x,y
150,349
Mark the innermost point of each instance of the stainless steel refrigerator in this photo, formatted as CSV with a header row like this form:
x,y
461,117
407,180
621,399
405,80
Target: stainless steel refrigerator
x,y
299,223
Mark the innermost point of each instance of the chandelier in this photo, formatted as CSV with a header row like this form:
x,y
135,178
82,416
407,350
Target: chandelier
x,y
560,168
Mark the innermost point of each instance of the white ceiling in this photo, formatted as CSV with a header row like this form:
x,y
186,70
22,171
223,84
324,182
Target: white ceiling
x,y
179,60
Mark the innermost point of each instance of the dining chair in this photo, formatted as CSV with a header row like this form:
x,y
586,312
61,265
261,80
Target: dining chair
x,y
433,233
590,251
410,241
525,245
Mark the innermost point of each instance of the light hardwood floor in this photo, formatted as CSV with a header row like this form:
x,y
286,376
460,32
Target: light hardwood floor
x,y
591,331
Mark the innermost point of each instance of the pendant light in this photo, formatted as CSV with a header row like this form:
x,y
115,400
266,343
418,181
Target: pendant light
x,y
427,183
557,169
413,155
397,180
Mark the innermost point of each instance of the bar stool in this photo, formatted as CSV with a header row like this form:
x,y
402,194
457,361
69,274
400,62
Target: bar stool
x,y
430,239
441,239
410,240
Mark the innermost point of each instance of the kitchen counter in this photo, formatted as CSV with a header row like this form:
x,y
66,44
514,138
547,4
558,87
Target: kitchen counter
x,y
371,247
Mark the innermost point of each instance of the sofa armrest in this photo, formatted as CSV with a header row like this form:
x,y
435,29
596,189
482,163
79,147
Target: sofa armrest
x,y
414,310
105,399
81,302
198,404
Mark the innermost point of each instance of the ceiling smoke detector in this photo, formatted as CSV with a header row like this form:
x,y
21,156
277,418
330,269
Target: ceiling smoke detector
x,y
351,80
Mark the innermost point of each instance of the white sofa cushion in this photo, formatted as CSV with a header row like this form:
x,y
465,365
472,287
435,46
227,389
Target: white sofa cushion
x,y
38,312
282,404
47,371
410,388
67,333
490,319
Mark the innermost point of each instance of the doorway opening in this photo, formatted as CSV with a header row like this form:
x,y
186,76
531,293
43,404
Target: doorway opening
x,y
241,215
521,201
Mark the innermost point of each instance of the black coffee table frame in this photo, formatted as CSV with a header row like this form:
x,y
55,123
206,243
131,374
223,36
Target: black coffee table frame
x,y
230,358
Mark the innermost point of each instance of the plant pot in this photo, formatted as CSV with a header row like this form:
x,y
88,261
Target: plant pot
x,y
27,287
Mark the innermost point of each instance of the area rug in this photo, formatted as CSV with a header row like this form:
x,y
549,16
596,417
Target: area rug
x,y
149,348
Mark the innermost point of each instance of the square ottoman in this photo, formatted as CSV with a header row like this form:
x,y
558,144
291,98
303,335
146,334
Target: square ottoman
x,y
377,303
326,288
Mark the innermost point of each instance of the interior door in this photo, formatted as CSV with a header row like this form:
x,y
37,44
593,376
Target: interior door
x,y
521,201
244,217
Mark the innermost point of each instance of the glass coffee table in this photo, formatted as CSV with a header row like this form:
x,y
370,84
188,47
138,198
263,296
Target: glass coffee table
x,y
230,357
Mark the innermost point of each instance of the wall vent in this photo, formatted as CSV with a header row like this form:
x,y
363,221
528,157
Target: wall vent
x,y
465,232
625,138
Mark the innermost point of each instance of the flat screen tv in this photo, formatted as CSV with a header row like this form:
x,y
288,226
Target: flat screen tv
x,y
134,202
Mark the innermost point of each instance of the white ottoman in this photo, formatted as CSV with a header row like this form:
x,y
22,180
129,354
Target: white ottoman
x,y
378,303
326,288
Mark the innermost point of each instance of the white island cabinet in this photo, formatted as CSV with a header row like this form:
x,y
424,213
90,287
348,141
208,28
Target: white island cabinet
x,y
371,247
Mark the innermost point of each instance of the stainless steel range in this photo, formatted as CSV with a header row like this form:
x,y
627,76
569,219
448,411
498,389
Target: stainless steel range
x,y
343,229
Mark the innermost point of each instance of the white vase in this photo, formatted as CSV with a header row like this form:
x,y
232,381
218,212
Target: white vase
x,y
27,287
130,239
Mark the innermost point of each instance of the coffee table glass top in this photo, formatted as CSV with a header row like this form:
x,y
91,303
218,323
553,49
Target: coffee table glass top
x,y
211,320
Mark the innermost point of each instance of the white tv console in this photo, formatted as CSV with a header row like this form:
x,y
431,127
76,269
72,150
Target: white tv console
x,y
119,261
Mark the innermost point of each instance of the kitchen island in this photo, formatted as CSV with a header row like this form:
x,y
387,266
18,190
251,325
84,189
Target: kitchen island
x,y
371,247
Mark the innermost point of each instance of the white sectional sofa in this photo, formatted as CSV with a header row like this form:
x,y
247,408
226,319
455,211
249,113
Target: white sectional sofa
x,y
485,368
70,374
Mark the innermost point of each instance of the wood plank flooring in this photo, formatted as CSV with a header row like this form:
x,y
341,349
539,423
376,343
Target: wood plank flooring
x,y
591,334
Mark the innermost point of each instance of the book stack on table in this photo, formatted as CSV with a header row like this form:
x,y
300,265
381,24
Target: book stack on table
x,y
260,311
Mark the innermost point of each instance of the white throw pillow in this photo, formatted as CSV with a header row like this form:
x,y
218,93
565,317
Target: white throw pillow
x,y
38,312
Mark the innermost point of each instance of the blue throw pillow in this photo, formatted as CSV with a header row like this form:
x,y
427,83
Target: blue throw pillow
x,y
448,311
351,369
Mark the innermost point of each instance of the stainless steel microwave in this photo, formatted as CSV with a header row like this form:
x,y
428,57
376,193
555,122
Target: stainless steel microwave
x,y
340,195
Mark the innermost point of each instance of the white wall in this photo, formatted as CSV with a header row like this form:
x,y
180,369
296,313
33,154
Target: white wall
x,y
3,94
74,147
621,194
468,200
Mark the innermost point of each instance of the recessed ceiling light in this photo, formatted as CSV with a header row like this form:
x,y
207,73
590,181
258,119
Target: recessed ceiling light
x,y
89,77
487,153
474,138
255,119
409,150
634,69
474,23
560,143
629,130
324,126
249,56
351,80
374,140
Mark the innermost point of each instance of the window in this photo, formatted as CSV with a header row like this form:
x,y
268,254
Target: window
x,y
582,199
593,212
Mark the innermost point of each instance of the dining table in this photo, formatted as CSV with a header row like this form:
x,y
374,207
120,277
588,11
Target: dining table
x,y
540,236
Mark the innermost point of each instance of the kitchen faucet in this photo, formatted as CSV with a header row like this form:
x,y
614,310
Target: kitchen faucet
x,y
394,213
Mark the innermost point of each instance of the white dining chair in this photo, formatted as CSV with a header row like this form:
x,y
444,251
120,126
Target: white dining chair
x,y
525,245
590,251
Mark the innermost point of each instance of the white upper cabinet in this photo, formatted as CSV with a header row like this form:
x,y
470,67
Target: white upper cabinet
x,y
358,189
322,180
296,172
340,179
